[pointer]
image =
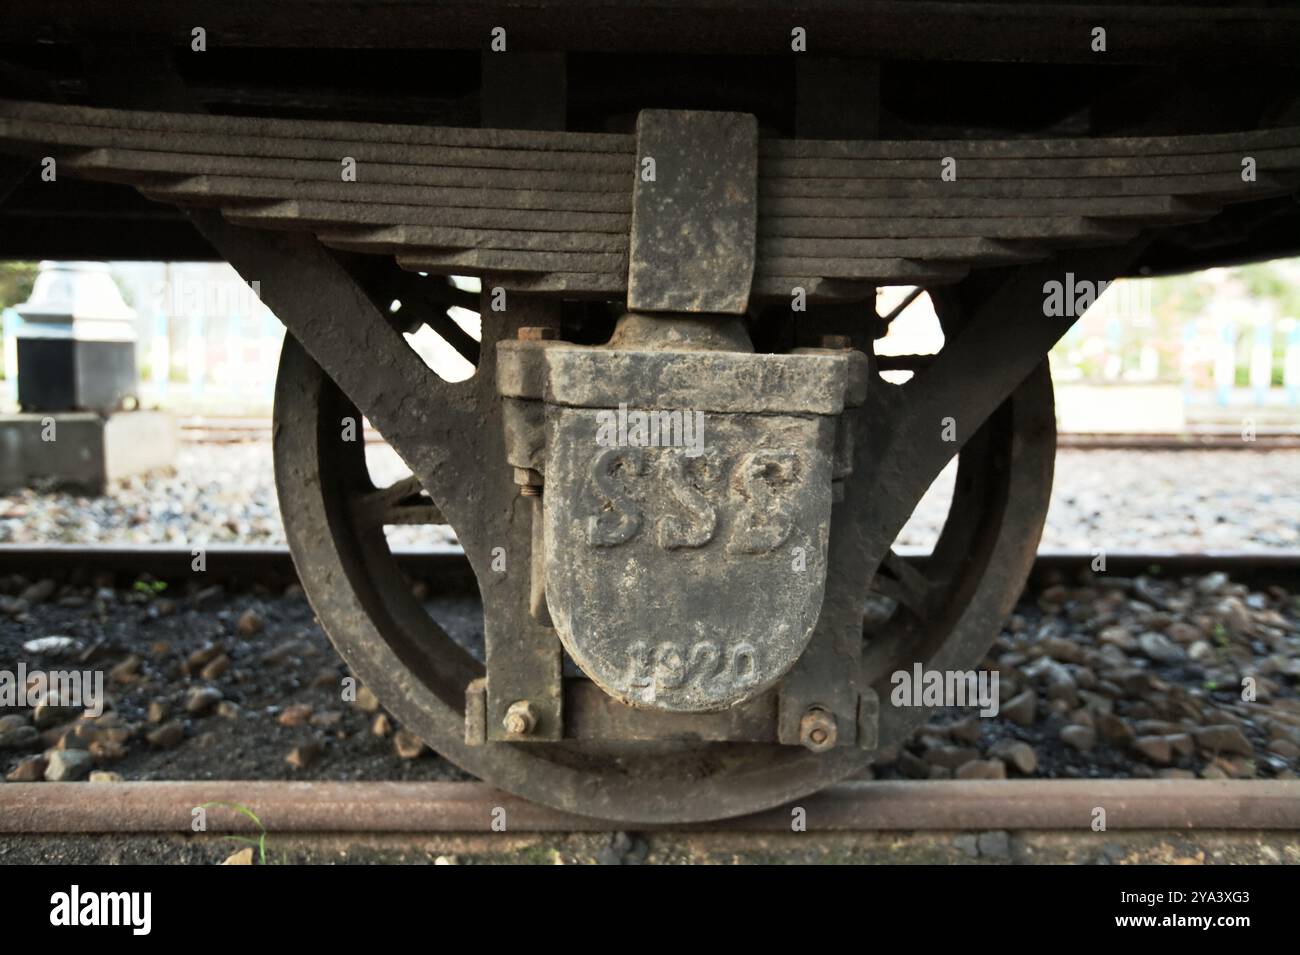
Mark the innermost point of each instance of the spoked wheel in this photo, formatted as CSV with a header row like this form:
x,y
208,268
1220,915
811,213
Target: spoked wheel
x,y
334,519
945,613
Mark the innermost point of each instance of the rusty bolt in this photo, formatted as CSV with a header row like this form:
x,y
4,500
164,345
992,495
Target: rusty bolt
x,y
529,482
521,718
817,730
537,333
837,342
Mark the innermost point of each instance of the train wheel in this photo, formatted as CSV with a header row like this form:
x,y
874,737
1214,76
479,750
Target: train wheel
x,y
946,615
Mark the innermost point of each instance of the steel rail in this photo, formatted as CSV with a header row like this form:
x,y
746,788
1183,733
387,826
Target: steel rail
x,y
264,562
1191,441
235,431
373,807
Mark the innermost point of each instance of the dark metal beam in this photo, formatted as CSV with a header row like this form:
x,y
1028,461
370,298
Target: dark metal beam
x,y
928,30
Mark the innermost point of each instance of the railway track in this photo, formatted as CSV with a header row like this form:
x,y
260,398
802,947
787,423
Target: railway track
x,y
989,821
239,431
447,567
1014,805
1021,820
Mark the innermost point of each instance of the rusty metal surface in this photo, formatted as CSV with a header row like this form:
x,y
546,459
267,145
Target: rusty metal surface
x,y
412,668
398,651
694,212
686,503
591,713
670,578
469,807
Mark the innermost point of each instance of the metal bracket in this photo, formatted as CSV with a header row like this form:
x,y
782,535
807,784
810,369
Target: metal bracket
x,y
694,212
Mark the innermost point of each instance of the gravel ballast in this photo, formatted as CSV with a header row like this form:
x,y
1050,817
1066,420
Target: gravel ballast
x,y
1109,677
1184,501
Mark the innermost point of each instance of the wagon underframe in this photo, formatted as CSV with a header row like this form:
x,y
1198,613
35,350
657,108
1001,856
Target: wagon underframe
x,y
683,632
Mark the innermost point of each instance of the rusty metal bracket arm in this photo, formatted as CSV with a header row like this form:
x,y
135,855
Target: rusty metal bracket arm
x,y
341,328
1006,336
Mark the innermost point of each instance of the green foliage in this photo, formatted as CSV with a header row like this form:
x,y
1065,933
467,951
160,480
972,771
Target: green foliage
x,y
1265,280
259,842
1101,347
16,279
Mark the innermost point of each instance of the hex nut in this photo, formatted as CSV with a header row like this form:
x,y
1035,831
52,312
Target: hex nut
x,y
521,718
817,730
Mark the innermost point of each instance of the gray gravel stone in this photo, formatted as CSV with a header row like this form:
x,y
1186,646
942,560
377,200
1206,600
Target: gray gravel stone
x,y
67,765
1222,739
1122,499
166,736
950,757
1212,584
994,845
1020,708
982,769
1018,754
52,713
1082,738
12,721
20,737
201,699
55,645
1160,648
1156,749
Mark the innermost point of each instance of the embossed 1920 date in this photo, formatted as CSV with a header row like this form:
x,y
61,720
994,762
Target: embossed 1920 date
x,y
671,665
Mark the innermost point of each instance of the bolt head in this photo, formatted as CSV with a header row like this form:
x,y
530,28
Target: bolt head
x,y
817,730
521,718
527,477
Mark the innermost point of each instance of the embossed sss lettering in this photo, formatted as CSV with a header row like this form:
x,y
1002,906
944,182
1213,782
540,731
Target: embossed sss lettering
x,y
761,477
763,483
697,526
619,518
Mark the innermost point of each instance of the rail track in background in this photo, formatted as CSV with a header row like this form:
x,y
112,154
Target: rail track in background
x,y
446,567
239,431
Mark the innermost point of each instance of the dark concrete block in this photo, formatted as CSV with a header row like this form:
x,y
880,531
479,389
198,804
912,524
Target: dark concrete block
x,y
66,374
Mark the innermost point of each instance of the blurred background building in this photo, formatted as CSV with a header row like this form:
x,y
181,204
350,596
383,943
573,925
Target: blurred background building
x,y
1213,350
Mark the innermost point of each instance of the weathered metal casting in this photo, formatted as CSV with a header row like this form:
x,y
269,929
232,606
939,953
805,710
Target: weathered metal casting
x,y
694,212
688,486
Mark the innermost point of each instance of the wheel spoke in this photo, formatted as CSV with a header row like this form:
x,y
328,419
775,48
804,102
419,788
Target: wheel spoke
x,y
908,434
424,301
904,362
904,584
425,419
402,502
